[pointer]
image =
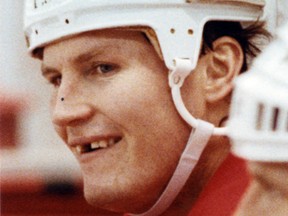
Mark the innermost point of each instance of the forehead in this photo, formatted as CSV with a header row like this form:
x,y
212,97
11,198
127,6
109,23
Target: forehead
x,y
102,41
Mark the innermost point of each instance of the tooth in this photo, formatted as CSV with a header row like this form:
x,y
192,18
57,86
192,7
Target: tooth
x,y
78,149
95,145
111,142
103,144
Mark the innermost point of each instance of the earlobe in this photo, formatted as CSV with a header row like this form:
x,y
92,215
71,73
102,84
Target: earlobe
x,y
224,64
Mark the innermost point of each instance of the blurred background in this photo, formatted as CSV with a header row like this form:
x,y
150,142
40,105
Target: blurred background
x,y
39,175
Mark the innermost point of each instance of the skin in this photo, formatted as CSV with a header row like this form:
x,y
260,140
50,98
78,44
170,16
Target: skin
x,y
112,89
268,191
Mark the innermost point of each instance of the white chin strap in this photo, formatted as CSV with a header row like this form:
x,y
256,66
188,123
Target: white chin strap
x,y
199,137
183,67
189,158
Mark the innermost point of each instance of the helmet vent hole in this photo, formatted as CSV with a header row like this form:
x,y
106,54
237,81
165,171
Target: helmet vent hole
x,y
172,30
190,32
67,21
36,31
260,115
275,119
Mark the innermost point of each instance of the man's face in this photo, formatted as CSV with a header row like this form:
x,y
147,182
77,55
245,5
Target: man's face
x,y
111,90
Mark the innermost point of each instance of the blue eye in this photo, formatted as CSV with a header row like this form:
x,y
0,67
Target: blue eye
x,y
105,68
102,68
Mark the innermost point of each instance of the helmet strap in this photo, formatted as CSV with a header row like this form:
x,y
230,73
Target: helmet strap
x,y
199,137
197,141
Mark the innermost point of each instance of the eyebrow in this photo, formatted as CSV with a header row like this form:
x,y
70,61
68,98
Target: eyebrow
x,y
95,51
86,56
80,58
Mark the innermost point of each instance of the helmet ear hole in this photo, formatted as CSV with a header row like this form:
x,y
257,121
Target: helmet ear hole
x,y
172,30
190,31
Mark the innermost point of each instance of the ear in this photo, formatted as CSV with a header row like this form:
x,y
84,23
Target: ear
x,y
224,64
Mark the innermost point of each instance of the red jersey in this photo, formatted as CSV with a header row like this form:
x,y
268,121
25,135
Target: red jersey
x,y
223,192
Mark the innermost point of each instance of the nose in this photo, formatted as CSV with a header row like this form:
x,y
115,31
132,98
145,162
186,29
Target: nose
x,y
71,108
68,113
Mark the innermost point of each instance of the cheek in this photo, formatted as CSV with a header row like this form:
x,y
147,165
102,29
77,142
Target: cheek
x,y
52,102
140,107
144,108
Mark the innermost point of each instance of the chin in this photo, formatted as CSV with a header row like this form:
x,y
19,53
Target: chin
x,y
114,200
105,198
100,200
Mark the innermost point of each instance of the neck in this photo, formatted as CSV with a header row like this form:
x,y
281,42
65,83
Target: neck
x,y
214,154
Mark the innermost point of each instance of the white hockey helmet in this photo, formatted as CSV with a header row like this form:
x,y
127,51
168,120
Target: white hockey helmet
x,y
174,27
259,112
175,23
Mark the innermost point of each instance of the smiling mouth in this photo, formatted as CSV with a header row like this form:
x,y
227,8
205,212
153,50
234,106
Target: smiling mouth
x,y
97,145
